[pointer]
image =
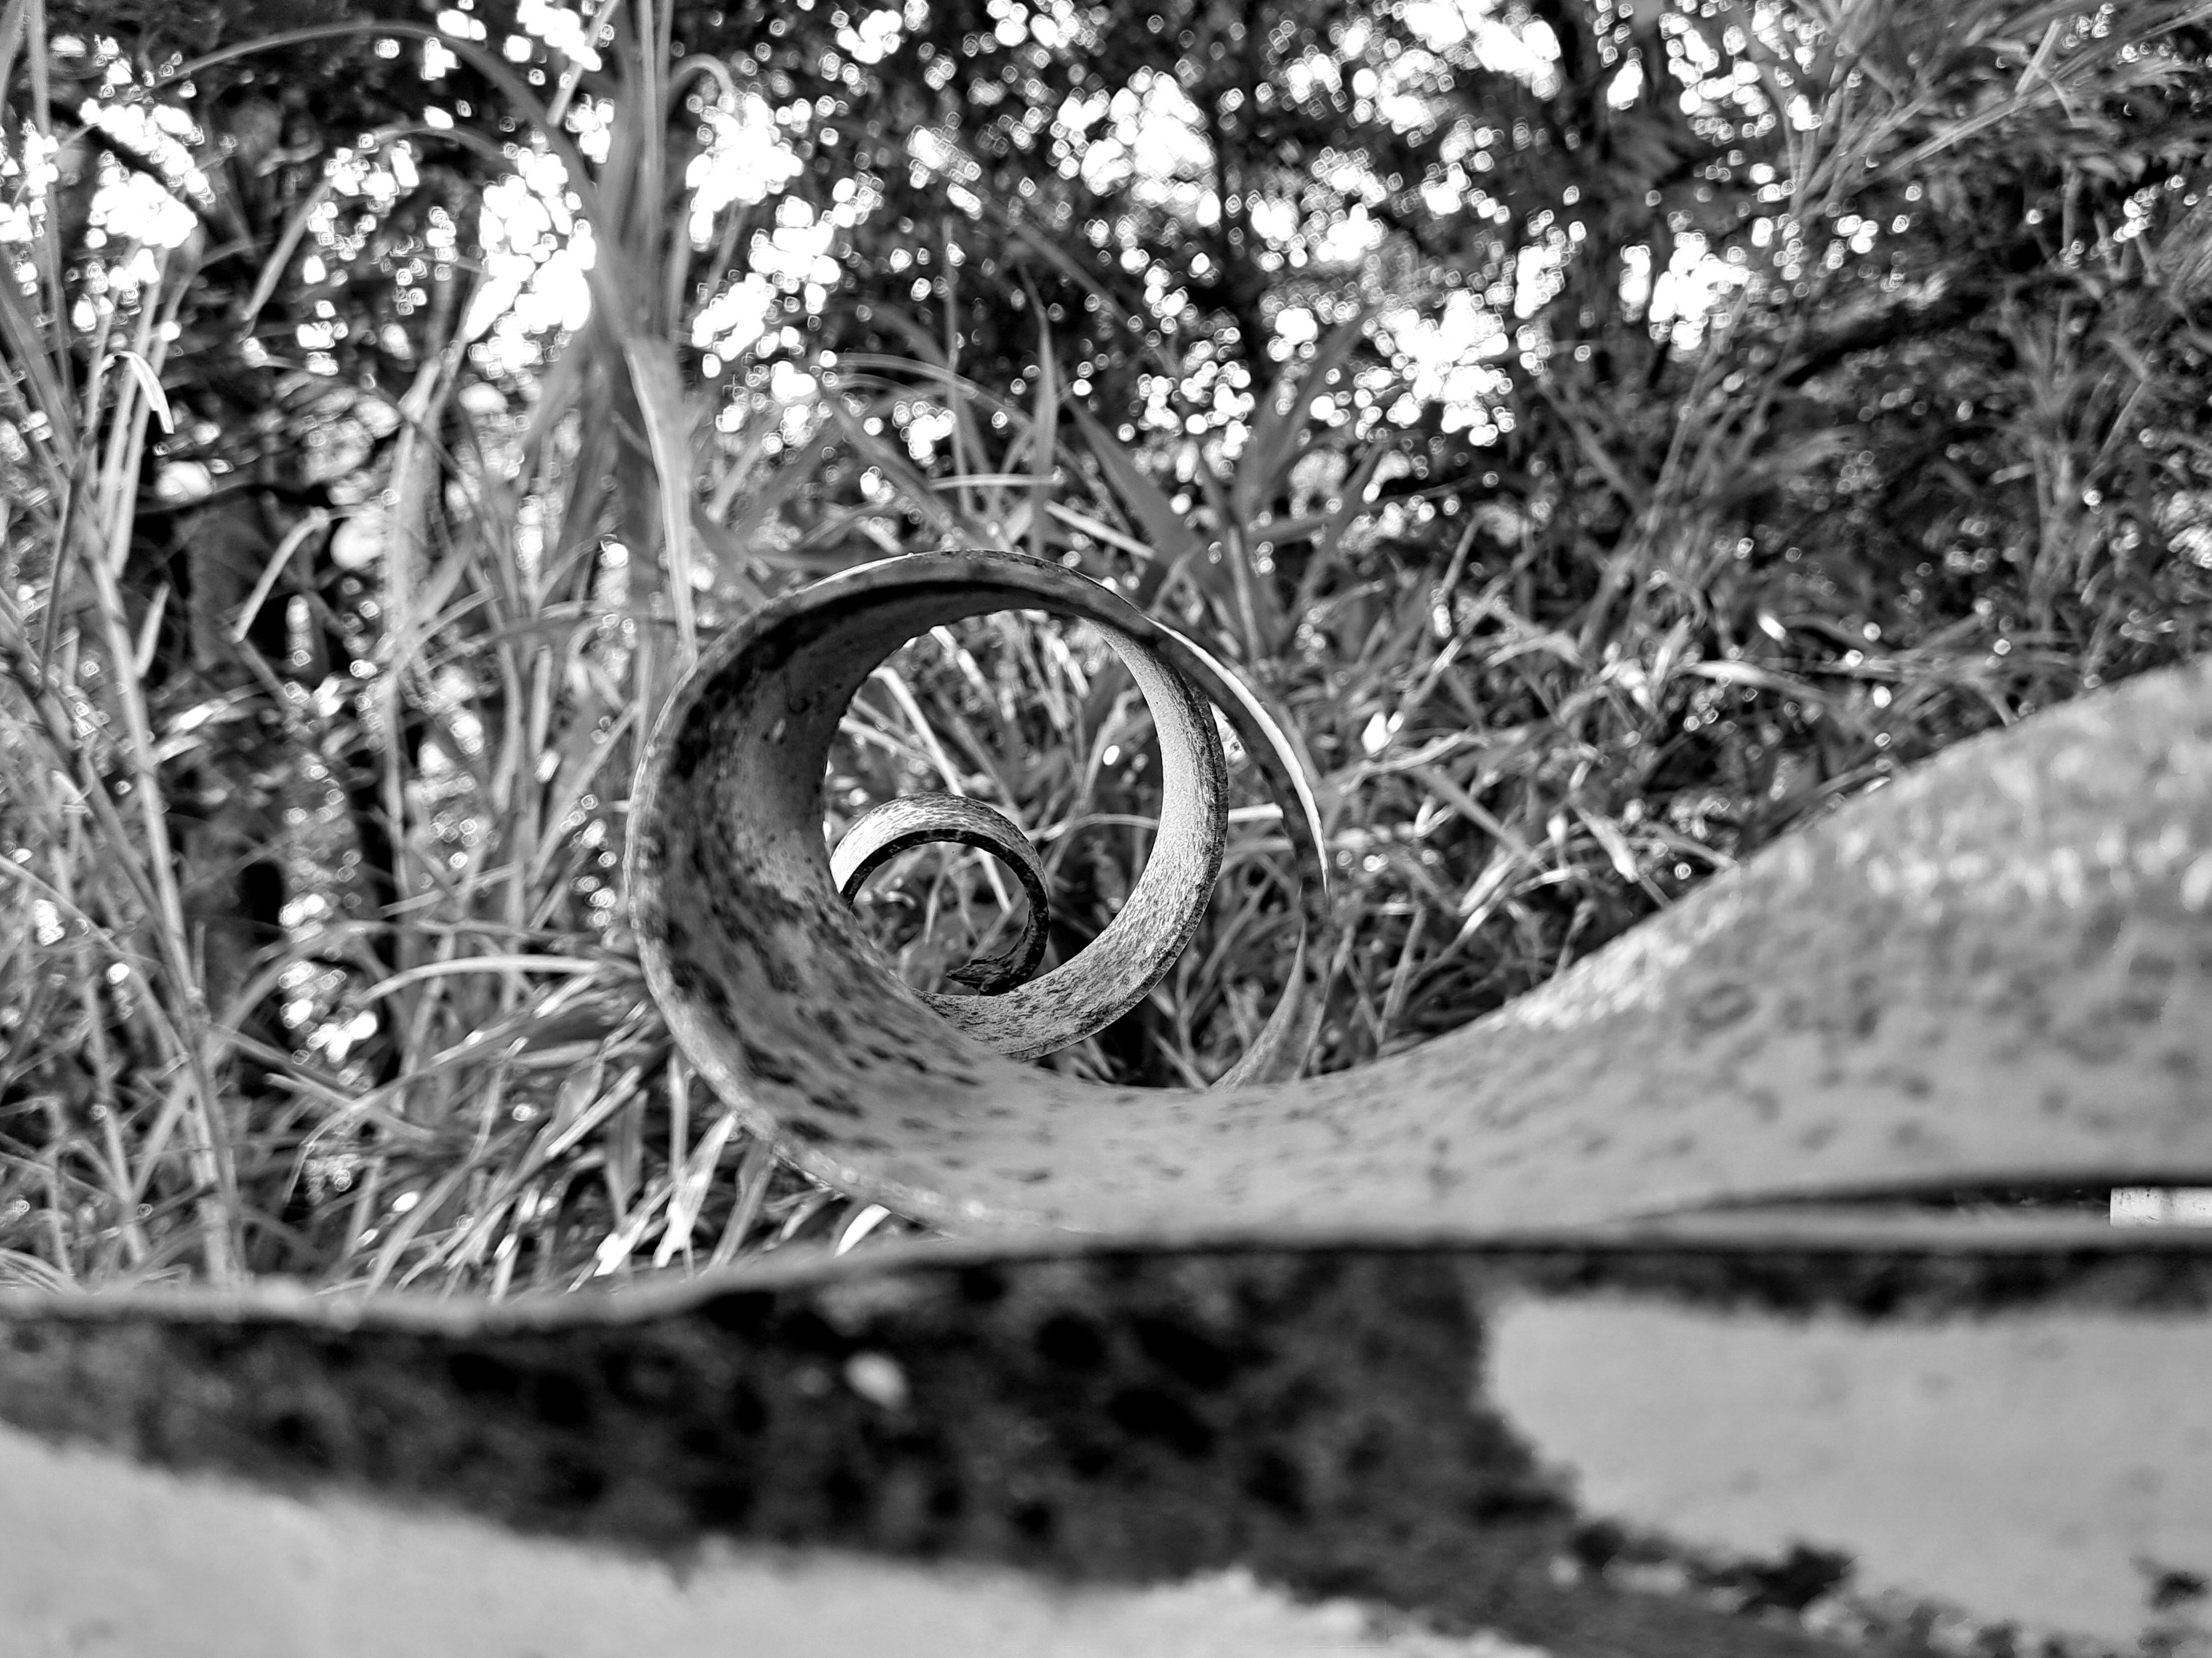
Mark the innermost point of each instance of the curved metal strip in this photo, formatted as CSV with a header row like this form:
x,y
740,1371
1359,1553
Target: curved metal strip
x,y
1279,1052
1997,971
884,831
1110,974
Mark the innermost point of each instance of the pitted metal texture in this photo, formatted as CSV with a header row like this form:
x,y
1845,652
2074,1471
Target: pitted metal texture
x,y
1993,972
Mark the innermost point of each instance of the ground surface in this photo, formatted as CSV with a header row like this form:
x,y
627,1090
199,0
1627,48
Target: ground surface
x,y
1313,1418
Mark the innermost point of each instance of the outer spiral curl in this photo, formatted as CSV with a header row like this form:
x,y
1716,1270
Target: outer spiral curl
x,y
745,940
1991,974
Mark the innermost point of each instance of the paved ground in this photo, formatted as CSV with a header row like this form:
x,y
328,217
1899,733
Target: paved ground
x,y
2048,1468
107,1559
1104,1442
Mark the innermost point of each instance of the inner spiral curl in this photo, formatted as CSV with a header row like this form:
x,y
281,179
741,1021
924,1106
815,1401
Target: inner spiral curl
x,y
1102,982
884,831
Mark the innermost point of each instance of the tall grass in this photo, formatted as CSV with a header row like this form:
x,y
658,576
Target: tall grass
x,y
474,1088
1530,719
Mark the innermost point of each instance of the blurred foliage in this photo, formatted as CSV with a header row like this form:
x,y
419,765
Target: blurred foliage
x,y
1609,433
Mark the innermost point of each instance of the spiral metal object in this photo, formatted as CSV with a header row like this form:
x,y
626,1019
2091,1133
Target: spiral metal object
x,y
1996,972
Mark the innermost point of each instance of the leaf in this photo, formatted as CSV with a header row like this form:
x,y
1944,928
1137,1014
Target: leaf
x,y
729,552
1281,433
43,365
1174,543
279,257
668,423
1607,834
1043,431
913,489
1748,673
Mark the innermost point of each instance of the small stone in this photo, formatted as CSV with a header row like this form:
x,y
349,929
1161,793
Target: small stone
x,y
877,1379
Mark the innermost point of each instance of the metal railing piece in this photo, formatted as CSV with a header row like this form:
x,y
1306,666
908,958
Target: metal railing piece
x,y
1993,975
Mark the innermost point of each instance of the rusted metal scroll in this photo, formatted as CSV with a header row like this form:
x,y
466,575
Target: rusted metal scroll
x,y
1995,973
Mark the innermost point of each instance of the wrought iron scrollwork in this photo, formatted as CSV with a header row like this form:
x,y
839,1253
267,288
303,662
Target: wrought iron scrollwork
x,y
1992,973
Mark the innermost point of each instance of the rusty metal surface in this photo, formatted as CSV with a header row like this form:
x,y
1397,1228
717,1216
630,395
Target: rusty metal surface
x,y
1996,972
